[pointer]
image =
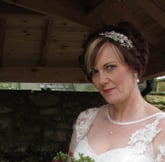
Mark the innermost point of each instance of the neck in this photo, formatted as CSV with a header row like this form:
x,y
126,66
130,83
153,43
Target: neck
x,y
131,109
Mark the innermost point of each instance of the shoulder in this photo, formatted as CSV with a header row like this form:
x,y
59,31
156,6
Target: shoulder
x,y
160,140
160,122
161,117
86,115
84,121
89,111
162,126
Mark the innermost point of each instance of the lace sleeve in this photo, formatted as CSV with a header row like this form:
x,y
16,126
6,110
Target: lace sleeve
x,y
84,122
161,155
161,148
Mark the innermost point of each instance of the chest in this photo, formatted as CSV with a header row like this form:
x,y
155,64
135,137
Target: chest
x,y
107,136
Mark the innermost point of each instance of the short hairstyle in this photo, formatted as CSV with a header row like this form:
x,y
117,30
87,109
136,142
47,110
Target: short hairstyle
x,y
136,57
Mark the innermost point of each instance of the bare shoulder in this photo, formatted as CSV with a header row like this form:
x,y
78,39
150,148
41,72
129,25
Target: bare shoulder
x,y
161,126
160,139
162,121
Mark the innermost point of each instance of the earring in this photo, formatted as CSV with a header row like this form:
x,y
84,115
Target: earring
x,y
136,77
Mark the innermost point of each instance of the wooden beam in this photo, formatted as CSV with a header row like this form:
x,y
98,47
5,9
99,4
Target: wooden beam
x,y
153,11
151,76
42,74
2,38
46,42
9,15
99,8
156,67
97,14
64,8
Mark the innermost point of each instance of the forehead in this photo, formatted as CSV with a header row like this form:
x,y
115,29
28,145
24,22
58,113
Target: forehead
x,y
109,52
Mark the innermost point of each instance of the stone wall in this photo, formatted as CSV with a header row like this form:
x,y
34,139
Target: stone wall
x,y
157,97
34,125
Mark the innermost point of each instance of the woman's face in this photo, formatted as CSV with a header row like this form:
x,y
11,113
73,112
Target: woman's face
x,y
111,76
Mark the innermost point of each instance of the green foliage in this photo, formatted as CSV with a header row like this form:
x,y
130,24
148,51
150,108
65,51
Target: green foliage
x,y
63,157
161,86
10,86
83,159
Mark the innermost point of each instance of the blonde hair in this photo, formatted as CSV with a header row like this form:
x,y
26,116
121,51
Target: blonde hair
x,y
94,49
89,55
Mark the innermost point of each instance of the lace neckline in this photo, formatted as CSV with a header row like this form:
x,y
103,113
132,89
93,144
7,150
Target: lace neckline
x,y
108,152
131,122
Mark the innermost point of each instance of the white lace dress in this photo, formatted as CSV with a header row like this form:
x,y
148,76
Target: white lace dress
x,y
139,146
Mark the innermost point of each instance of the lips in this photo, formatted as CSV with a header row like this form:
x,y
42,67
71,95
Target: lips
x,y
108,90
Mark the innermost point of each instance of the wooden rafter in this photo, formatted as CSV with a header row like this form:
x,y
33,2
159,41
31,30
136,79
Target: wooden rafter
x,y
2,38
153,11
64,8
39,74
46,41
34,57
125,14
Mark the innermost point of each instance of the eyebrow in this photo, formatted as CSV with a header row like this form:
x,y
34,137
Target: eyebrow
x,y
107,63
111,62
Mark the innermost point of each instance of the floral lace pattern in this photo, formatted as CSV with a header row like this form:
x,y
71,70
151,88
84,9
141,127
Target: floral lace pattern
x,y
160,156
140,141
84,121
143,137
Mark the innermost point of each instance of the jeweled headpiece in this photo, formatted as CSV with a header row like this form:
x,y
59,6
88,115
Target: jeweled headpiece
x,y
118,37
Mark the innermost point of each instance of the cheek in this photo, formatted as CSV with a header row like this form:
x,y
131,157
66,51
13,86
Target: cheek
x,y
119,77
95,84
123,80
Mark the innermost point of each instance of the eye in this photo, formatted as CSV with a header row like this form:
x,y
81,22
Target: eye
x,y
110,67
93,72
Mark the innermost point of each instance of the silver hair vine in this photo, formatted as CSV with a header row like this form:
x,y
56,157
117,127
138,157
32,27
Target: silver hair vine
x,y
118,37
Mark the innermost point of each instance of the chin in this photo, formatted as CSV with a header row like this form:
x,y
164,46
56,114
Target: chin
x,y
111,100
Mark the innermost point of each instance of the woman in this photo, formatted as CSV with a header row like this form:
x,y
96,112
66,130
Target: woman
x,y
127,128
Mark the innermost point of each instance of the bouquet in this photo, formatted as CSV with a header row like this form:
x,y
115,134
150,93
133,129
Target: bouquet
x,y
63,157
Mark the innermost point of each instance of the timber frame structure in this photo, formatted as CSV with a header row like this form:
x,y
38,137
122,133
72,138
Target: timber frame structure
x,y
40,40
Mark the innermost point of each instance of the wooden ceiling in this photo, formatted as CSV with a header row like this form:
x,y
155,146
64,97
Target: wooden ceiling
x,y
40,40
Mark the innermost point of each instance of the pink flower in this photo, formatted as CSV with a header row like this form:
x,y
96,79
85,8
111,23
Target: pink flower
x,y
70,153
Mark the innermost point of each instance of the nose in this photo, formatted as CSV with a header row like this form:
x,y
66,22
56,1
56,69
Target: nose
x,y
103,78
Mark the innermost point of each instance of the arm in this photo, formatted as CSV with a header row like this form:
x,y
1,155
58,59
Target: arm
x,y
72,142
161,144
